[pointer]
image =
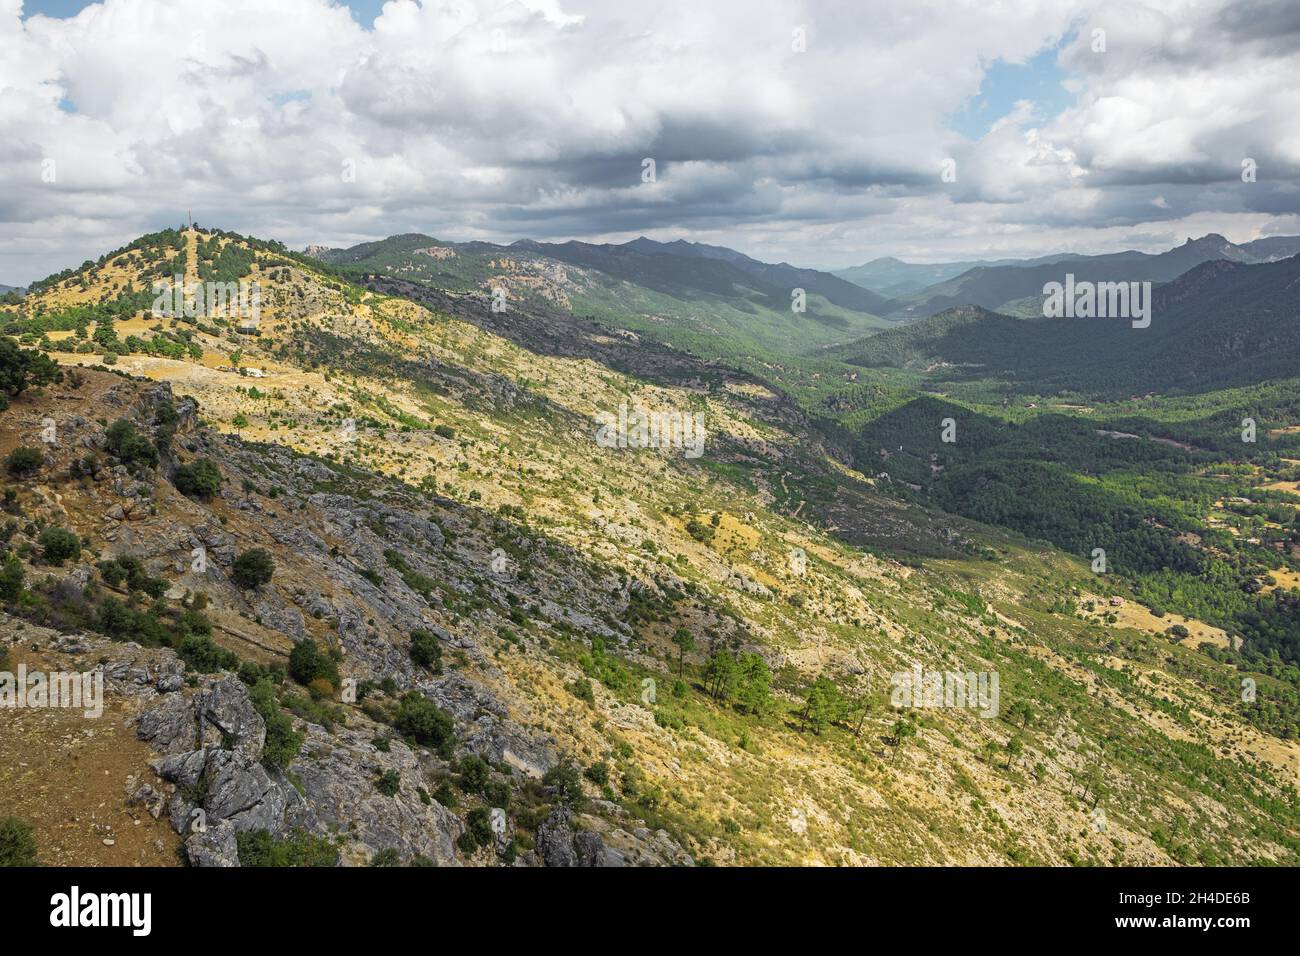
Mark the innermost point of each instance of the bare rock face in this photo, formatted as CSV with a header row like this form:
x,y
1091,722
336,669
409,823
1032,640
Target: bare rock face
x,y
170,725
501,742
337,775
561,843
216,846
226,714
212,739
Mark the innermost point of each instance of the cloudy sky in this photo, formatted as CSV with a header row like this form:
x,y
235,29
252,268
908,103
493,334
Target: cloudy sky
x,y
815,132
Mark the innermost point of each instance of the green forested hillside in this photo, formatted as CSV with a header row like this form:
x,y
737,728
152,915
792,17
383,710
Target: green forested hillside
x,y
713,301
1221,325
994,286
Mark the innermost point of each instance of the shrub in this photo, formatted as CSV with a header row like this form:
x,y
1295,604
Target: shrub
x,y
479,826
582,690
24,460
20,368
129,445
598,773
202,654
389,783
320,688
259,848
17,844
565,784
58,544
701,532
425,723
132,571
308,663
11,578
426,650
282,741
497,794
253,568
386,857
199,480
112,572
473,773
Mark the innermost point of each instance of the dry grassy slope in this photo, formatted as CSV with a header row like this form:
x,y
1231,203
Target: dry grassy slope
x,y
728,784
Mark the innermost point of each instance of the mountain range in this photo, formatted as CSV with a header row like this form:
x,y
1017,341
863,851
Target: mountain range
x,y
1219,324
697,296
368,587
1017,287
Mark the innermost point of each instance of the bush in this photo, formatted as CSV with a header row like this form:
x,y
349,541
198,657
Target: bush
x,y
473,773
426,650
389,783
20,368
11,578
582,690
131,571
253,568
308,663
58,544
479,826
129,445
497,794
282,741
701,532
17,844
425,723
386,857
24,460
565,784
200,653
259,848
199,480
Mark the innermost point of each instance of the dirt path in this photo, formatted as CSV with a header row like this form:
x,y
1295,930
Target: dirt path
x,y
68,777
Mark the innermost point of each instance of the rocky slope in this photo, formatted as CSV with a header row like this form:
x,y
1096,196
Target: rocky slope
x,y
433,471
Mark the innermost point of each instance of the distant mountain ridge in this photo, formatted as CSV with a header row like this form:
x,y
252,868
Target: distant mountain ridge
x,y
893,277
715,300
1221,323
997,285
